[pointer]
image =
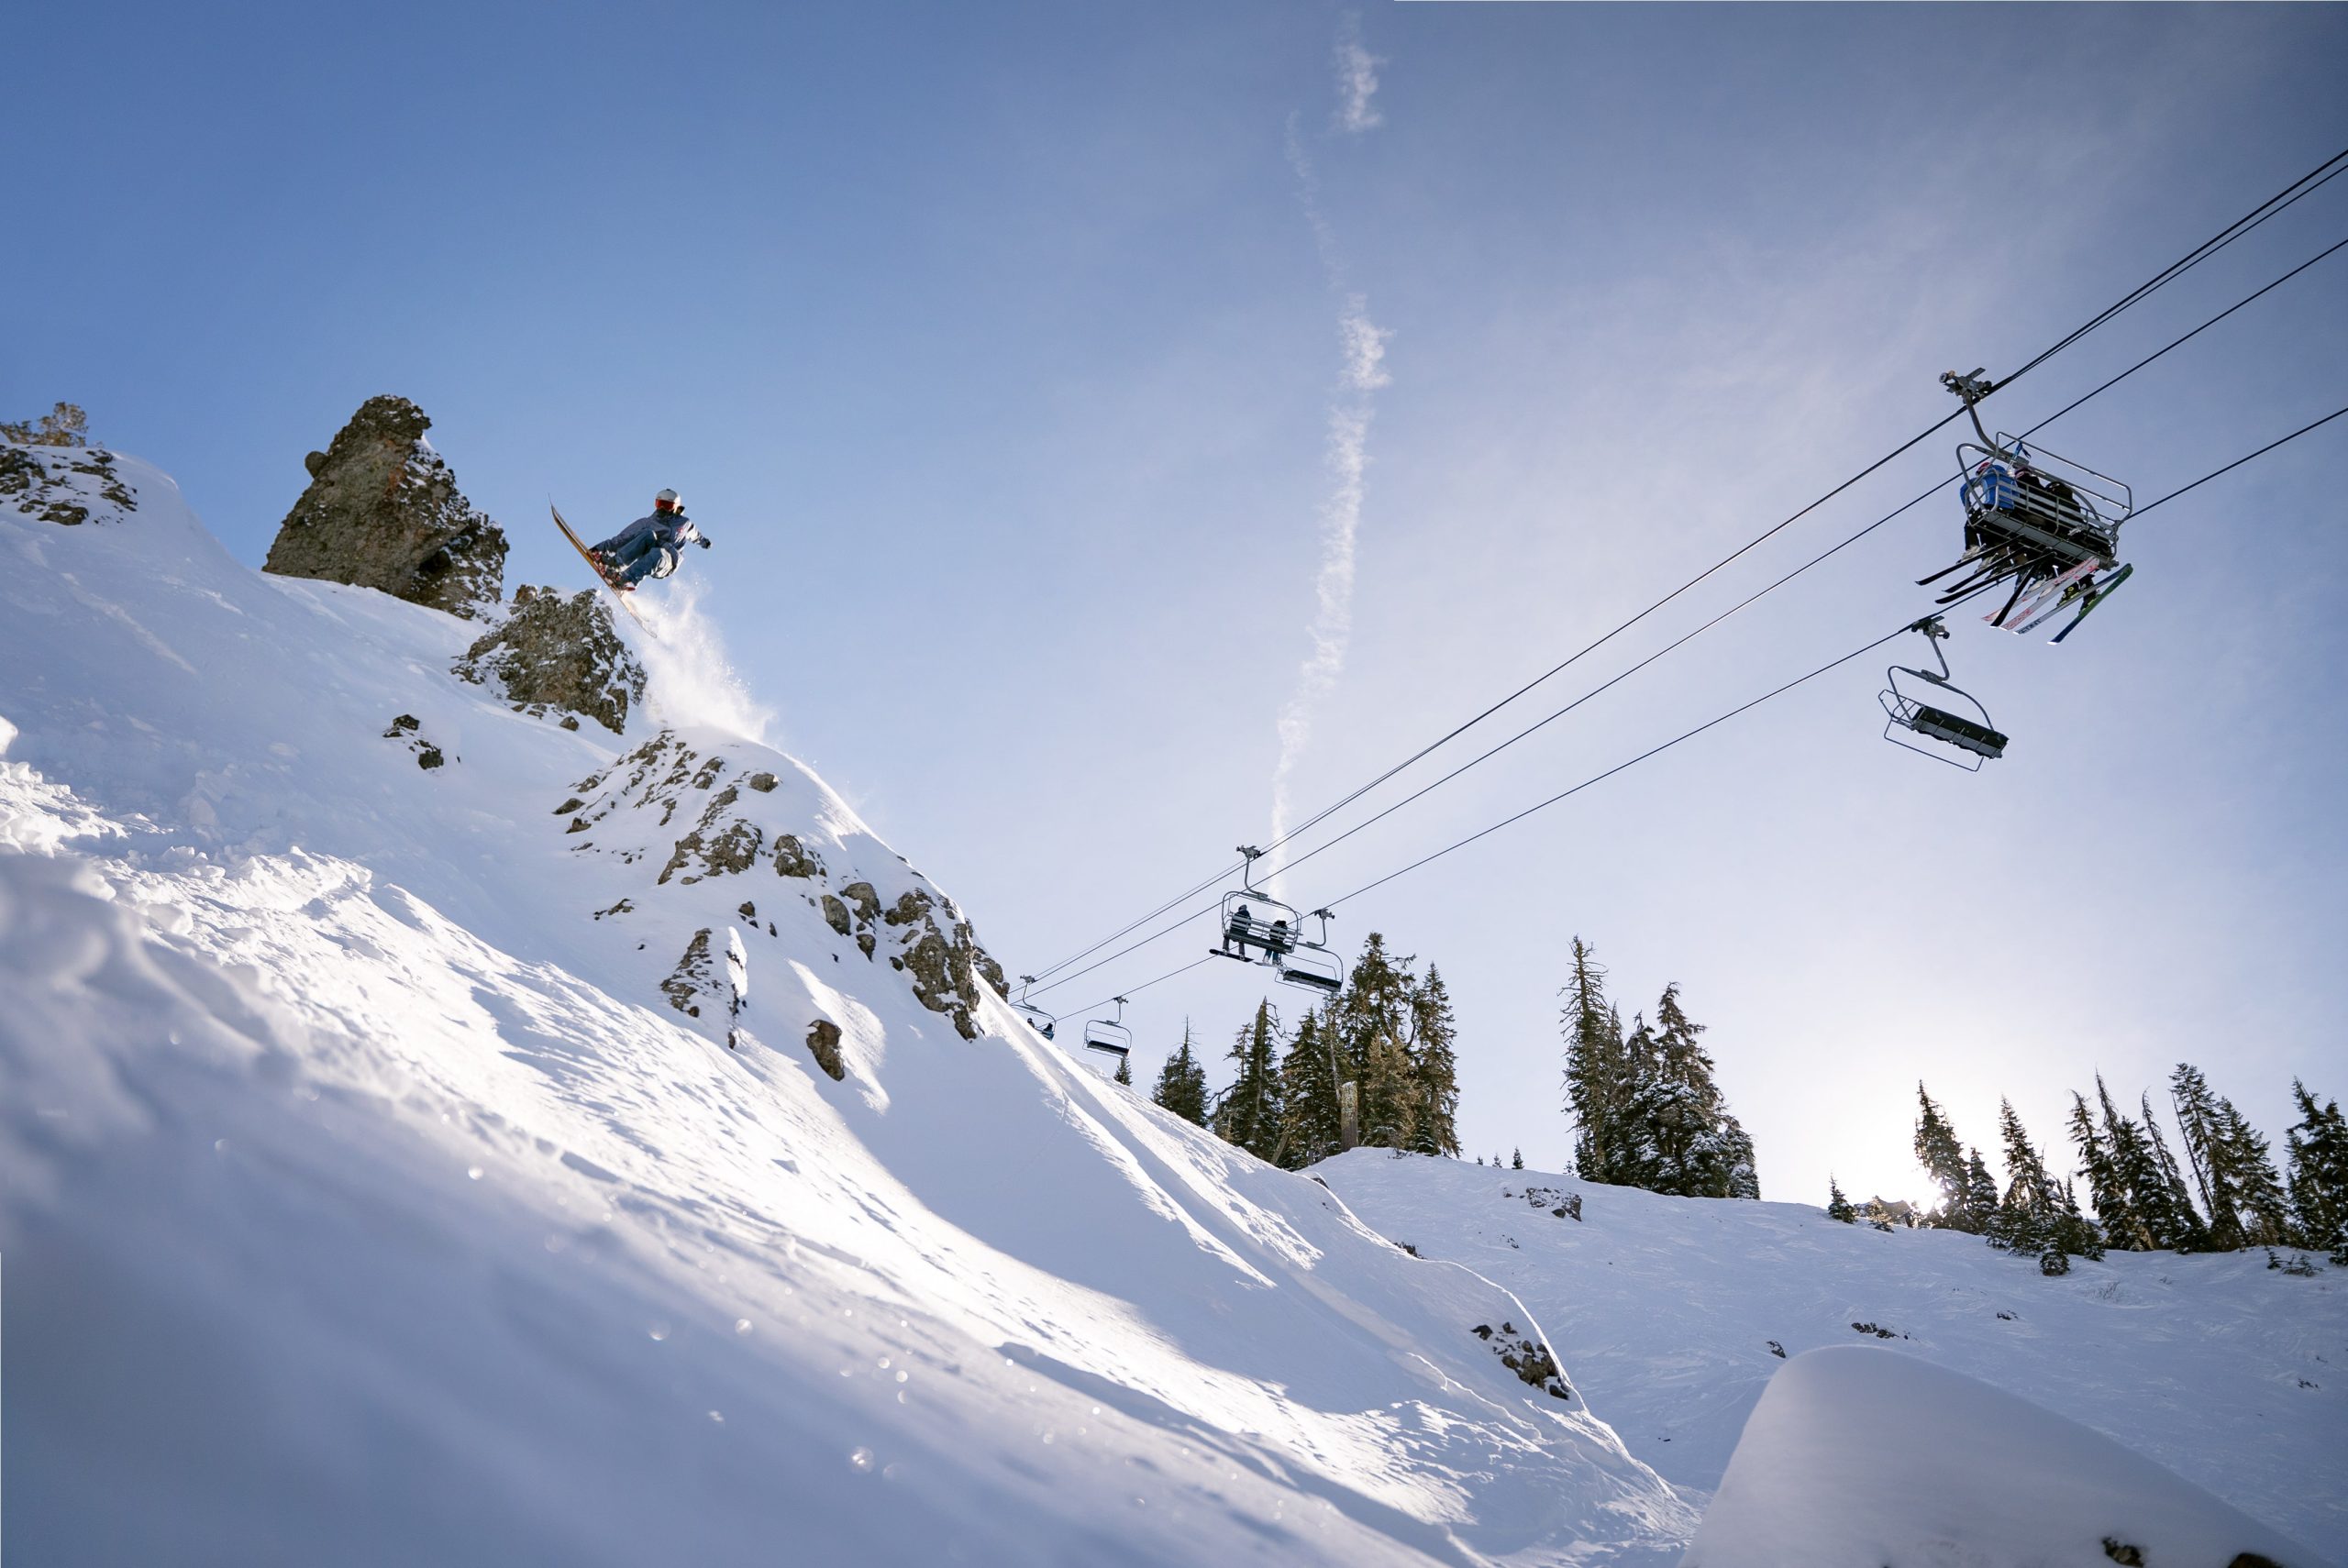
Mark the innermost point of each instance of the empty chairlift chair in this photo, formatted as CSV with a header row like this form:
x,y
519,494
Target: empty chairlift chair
x,y
1977,739
1109,1037
1313,966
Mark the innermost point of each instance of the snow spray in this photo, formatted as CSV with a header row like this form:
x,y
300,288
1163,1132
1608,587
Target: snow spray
x,y
691,684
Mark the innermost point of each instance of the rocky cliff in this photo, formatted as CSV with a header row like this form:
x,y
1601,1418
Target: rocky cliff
x,y
383,510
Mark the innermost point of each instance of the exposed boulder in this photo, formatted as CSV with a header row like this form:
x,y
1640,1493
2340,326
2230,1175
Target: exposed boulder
x,y
560,650
383,510
824,1044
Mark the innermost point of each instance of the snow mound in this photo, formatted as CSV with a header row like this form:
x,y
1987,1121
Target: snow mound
x,y
1856,1458
1672,1315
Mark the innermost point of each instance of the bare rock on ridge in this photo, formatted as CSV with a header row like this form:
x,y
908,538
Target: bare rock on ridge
x,y
383,510
561,650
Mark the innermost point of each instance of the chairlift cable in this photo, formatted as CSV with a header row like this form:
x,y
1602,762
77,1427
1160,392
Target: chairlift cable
x,y
2330,169
2238,462
1719,719
1896,513
1796,572
1790,685
2336,165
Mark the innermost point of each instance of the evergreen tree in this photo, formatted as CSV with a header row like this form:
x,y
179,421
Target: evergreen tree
x,y
2199,1123
1182,1082
1979,1205
63,426
2319,1164
1942,1158
1677,1135
1594,1080
1516,1160
1838,1208
1435,1064
2105,1190
1310,1071
2141,1220
2075,1235
2265,1211
1390,1095
2189,1235
1249,1113
1374,1018
1125,1073
1744,1170
2025,1220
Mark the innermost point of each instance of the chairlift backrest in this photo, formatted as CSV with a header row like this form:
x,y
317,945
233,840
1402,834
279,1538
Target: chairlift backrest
x,y
1979,740
1315,968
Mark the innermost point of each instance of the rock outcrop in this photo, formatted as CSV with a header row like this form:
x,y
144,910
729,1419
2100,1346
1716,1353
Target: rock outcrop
x,y
560,651
722,834
383,510
62,484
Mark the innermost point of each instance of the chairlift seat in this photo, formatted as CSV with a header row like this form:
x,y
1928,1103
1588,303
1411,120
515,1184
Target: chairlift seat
x,y
1315,968
1109,1039
1980,739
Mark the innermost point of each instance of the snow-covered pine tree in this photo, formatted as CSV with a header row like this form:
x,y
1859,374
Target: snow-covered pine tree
x,y
1595,1086
1838,1208
1979,1205
1677,1135
2318,1147
1249,1113
1515,1160
1312,1127
2200,1123
1181,1085
1942,1158
2190,1234
1743,1169
2025,1220
1125,1073
1435,1058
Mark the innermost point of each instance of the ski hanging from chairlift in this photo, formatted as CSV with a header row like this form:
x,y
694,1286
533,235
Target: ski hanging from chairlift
x,y
1254,919
2049,527
1978,740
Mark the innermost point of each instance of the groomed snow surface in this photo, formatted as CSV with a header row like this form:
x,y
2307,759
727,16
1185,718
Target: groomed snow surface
x,y
362,1199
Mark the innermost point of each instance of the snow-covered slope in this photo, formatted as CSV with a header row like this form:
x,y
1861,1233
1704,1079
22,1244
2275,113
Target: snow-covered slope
x,y
1856,1458
378,1183
1671,1315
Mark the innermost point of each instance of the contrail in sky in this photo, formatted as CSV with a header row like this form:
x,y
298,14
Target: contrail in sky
x,y
1362,345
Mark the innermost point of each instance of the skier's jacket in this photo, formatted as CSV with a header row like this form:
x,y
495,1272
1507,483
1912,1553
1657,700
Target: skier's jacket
x,y
672,530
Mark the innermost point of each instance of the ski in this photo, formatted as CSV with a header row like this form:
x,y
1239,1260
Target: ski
x,y
2044,601
588,556
2098,597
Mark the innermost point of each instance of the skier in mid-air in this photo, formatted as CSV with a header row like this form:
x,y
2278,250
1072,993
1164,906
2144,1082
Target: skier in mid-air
x,y
649,546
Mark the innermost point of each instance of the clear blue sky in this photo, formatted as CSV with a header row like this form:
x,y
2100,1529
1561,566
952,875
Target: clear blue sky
x,y
994,346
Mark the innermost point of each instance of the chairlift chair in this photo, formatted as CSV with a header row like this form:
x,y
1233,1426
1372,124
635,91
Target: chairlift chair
x,y
2032,518
1315,966
1110,1036
1978,740
1037,1019
1252,918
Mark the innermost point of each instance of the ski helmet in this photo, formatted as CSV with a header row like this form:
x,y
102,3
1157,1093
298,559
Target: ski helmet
x,y
668,501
